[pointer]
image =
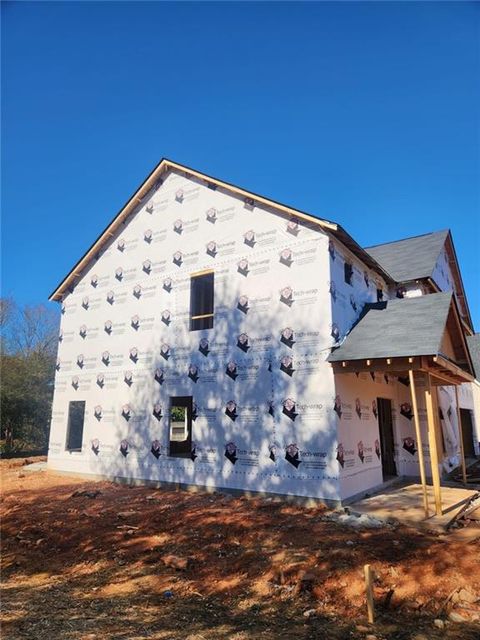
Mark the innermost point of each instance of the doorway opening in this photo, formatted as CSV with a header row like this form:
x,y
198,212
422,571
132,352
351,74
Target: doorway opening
x,y
467,432
385,429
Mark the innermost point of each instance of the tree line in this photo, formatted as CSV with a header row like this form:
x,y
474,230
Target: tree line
x,y
28,346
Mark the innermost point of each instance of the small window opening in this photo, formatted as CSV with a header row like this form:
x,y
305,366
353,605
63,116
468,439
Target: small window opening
x,y
201,301
181,426
348,273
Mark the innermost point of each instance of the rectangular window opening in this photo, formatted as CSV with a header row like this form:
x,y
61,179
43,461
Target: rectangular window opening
x,y
181,427
348,273
201,301
76,418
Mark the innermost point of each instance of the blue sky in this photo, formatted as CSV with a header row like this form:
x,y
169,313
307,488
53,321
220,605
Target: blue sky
x,y
362,113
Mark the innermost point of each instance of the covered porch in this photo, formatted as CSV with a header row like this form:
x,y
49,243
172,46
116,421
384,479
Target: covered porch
x,y
420,340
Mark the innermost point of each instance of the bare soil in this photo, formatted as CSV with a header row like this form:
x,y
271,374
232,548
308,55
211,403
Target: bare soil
x,y
136,562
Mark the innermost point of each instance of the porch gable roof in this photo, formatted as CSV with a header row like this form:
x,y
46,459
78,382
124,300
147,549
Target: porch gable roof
x,y
407,328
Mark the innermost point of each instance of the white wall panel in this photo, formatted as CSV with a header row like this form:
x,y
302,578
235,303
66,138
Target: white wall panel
x,y
126,347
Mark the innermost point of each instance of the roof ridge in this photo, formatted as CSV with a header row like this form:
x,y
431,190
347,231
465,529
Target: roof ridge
x,y
420,235
153,178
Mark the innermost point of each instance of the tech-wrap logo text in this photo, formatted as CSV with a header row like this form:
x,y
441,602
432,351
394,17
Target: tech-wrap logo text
x,y
256,239
179,258
288,256
181,226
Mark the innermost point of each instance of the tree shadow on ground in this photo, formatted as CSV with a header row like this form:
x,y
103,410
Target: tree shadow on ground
x,y
78,568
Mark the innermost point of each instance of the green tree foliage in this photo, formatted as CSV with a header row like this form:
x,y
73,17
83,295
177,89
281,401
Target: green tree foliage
x,y
27,368
178,414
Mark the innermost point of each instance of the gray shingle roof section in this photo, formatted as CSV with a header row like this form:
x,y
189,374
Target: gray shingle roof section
x,y
473,344
397,328
412,258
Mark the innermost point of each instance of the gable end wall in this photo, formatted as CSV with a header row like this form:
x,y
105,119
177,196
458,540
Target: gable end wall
x,y
135,298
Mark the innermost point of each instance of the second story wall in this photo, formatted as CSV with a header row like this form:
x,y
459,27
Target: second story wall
x,y
352,284
442,274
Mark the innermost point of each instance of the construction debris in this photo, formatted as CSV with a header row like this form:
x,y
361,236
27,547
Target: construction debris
x,y
469,511
85,494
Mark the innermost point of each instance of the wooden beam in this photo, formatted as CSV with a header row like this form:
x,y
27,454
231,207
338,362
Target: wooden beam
x,y
439,367
204,272
418,433
447,372
440,377
455,369
460,435
444,381
432,421
399,366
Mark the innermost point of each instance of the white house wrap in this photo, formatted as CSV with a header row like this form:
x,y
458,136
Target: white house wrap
x,y
268,412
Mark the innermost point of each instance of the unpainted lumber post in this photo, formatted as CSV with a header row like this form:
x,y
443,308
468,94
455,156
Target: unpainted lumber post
x,y
432,422
369,591
418,433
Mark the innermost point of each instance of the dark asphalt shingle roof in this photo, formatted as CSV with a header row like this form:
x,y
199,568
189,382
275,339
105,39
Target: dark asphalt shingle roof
x,y
397,328
473,344
411,258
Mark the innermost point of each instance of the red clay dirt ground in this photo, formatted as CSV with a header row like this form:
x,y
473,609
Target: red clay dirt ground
x,y
136,562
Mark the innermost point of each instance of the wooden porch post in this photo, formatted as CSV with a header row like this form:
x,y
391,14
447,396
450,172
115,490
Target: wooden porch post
x,y
460,435
432,421
418,433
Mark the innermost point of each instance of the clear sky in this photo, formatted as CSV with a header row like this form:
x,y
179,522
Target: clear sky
x,y
363,113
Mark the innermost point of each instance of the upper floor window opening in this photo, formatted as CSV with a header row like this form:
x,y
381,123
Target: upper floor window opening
x,y
201,300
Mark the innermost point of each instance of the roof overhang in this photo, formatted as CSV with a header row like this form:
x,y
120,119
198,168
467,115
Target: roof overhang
x,y
154,180
443,371
460,289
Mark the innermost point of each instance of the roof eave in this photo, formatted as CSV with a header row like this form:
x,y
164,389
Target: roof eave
x,y
438,365
166,164
462,295
470,371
